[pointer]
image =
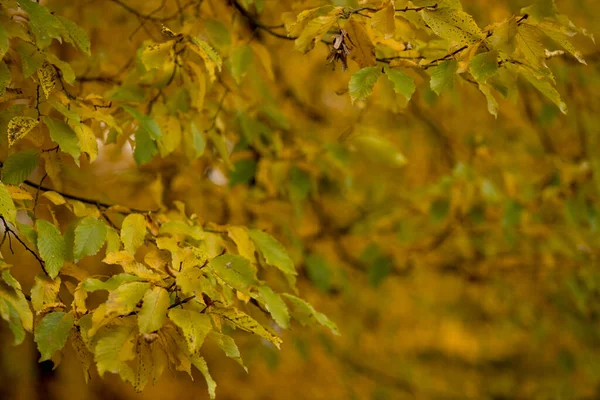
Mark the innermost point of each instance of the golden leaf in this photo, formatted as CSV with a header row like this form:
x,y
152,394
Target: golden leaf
x,y
363,52
18,127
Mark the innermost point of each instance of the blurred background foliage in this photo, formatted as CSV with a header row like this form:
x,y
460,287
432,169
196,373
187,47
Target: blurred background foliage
x,y
470,272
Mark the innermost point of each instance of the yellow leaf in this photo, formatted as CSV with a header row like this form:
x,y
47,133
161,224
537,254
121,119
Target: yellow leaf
x,y
84,356
363,50
244,322
176,349
47,76
265,58
154,310
53,168
118,258
295,26
18,194
44,291
144,370
124,299
18,127
196,84
194,326
87,140
211,58
157,55
452,24
115,347
529,40
133,232
81,209
171,137
242,240
384,20
315,30
139,269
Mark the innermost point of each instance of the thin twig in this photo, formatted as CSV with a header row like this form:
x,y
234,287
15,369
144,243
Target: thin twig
x,y
79,198
10,231
180,302
37,195
255,24
219,108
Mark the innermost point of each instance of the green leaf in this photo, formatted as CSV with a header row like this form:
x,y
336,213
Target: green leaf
x,y
200,363
61,108
307,315
133,232
4,77
51,246
52,332
492,103
9,313
194,325
545,87
147,123
484,65
318,271
221,147
74,34
239,61
442,76
90,235
217,33
244,322
540,10
379,264
529,41
145,147
379,150
243,171
362,83
29,233
403,84
17,300
7,207
153,314
64,136
93,284
556,32
31,58
18,166
235,270
124,299
504,36
65,68
300,184
198,140
275,306
211,58
227,344
452,24
42,23
273,252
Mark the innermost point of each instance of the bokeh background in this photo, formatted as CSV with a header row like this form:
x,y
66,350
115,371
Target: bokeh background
x,y
470,273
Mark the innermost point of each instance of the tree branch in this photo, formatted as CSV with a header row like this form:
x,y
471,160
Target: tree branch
x,y
79,198
10,231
